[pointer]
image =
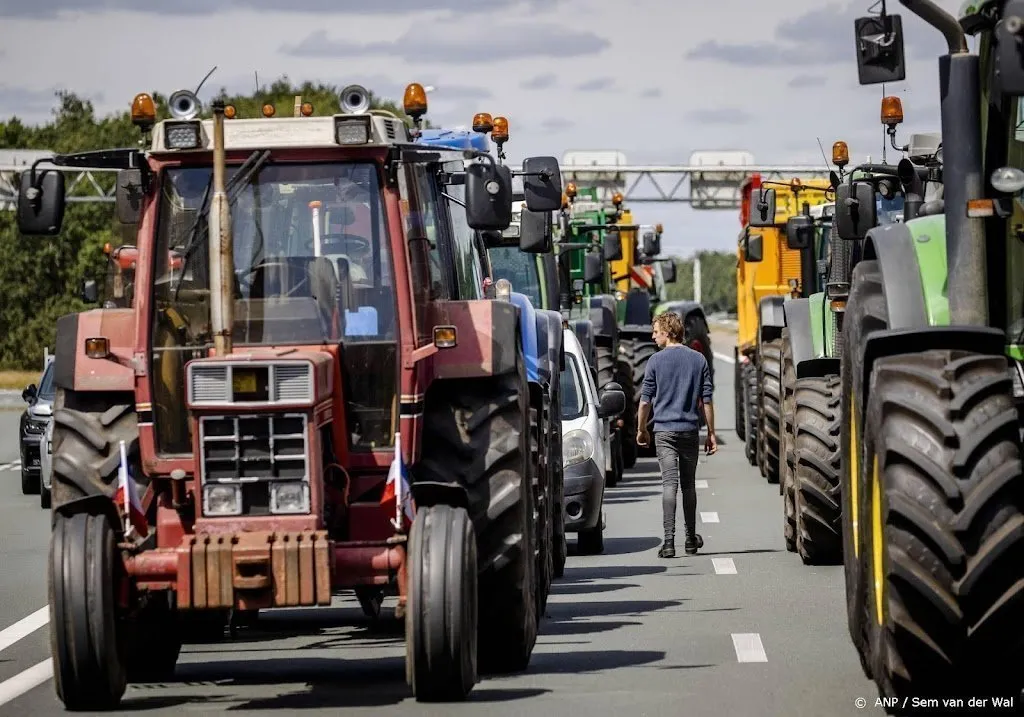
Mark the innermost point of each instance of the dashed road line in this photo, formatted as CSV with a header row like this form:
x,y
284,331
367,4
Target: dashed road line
x,y
710,517
748,647
24,681
24,627
724,566
12,466
700,483
723,357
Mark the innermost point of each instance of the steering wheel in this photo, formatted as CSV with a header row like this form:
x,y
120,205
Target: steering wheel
x,y
356,244
247,274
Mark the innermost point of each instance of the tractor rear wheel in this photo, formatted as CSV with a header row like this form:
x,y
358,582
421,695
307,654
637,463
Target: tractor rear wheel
x,y
441,614
542,507
559,547
739,413
476,432
787,447
819,534
752,397
770,370
638,354
88,653
947,509
866,312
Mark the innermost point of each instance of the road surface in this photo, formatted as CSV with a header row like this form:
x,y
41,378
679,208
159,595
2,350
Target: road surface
x,y
741,629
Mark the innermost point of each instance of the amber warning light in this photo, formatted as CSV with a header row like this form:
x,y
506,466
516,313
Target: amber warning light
x,y
892,111
840,154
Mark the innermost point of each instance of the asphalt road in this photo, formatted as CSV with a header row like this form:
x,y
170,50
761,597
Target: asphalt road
x,y
741,629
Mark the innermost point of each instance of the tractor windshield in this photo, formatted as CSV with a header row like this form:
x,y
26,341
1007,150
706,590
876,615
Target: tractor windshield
x,y
520,269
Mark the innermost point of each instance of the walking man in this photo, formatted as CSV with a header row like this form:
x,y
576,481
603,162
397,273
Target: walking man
x,y
677,384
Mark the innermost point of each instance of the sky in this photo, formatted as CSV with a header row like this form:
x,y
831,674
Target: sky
x,y
653,79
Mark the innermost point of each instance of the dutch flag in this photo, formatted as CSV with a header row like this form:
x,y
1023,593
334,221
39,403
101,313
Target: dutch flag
x,y
397,492
128,497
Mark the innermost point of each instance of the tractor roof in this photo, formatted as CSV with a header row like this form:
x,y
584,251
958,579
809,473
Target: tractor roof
x,y
455,139
179,136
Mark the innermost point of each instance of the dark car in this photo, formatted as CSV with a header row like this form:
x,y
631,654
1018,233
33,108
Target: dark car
x,y
34,420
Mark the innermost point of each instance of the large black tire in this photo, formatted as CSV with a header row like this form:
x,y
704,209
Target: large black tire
x,y
88,653
639,352
866,312
476,432
605,367
542,502
739,412
87,431
947,500
441,617
817,501
786,449
770,375
624,376
559,546
752,397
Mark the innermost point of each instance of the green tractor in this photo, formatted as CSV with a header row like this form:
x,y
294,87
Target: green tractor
x,y
933,519
588,239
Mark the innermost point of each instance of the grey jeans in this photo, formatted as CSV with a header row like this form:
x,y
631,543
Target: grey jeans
x,y
678,453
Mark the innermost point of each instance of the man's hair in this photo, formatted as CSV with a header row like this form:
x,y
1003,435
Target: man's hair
x,y
671,324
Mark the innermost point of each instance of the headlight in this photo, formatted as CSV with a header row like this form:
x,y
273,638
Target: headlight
x,y
181,135
352,130
577,447
290,497
222,500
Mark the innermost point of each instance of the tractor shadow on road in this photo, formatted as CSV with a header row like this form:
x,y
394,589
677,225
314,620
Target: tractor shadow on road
x,y
627,546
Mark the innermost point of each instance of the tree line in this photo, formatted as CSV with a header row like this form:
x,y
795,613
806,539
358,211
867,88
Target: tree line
x,y
41,277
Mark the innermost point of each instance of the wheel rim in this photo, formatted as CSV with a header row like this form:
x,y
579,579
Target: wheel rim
x,y
877,536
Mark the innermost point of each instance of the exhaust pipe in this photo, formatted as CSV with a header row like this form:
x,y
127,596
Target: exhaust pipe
x,y
222,255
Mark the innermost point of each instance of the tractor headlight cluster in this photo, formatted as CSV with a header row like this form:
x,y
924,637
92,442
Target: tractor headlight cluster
x,y
182,135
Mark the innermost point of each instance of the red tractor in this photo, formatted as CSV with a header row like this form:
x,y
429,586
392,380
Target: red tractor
x,y
291,403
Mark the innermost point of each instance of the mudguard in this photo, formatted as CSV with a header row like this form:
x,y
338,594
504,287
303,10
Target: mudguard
x,y
890,342
485,339
772,315
528,332
74,371
93,504
602,316
638,308
893,246
805,321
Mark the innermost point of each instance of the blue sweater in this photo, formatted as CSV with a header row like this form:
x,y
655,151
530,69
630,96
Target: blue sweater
x,y
677,377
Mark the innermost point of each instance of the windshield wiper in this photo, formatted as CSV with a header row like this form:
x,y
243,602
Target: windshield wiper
x,y
233,188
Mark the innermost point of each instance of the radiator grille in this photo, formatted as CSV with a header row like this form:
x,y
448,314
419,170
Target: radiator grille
x,y
210,383
276,383
253,448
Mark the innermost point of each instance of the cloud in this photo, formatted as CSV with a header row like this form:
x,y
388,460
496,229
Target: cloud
x,y
651,92
451,44
53,8
598,83
803,81
540,82
720,115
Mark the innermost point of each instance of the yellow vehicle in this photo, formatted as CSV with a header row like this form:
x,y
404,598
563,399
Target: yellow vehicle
x,y
768,272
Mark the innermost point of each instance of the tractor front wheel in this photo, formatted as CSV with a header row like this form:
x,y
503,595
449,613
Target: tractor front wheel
x,y
441,614
817,501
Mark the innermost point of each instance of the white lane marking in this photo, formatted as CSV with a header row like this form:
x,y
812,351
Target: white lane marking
x,y
723,357
648,474
709,517
12,466
24,627
25,681
701,483
724,566
748,647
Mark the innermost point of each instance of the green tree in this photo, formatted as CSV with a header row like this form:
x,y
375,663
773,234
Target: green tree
x,y
40,277
717,280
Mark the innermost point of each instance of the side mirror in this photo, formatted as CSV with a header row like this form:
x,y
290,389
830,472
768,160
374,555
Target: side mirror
x,y
1009,65
762,208
128,196
612,247
535,232
856,212
41,208
754,251
488,196
668,271
593,268
880,56
651,244
799,232
613,401
542,184
30,393
834,180
90,292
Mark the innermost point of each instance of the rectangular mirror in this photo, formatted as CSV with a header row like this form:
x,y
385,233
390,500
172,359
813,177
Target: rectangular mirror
x,y
612,247
754,251
762,207
41,208
90,292
485,210
593,268
128,196
880,54
650,244
668,271
542,184
799,232
535,234
856,211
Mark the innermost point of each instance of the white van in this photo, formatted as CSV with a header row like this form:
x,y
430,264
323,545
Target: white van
x,y
584,446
